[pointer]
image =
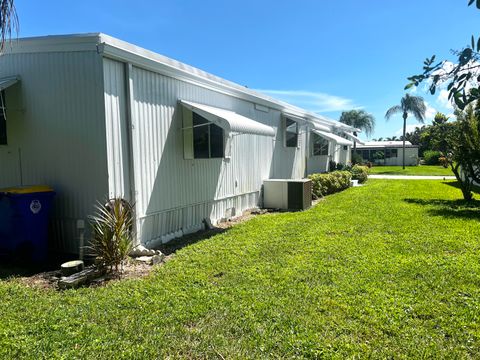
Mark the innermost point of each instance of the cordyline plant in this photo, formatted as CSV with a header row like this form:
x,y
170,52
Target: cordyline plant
x,y
112,235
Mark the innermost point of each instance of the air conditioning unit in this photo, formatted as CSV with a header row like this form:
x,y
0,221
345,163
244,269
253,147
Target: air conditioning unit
x,y
290,194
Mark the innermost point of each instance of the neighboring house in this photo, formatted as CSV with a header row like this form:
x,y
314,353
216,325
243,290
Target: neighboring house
x,y
96,117
388,152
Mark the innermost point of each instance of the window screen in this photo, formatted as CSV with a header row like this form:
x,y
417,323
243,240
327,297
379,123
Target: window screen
x,y
3,119
207,138
291,133
319,145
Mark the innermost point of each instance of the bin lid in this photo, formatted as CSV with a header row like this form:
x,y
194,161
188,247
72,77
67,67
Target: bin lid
x,y
27,189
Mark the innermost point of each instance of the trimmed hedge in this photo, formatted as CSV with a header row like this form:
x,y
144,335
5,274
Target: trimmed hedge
x,y
326,184
359,173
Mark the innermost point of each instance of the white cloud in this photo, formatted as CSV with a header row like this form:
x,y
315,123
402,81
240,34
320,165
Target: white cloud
x,y
312,101
410,128
430,113
413,90
442,100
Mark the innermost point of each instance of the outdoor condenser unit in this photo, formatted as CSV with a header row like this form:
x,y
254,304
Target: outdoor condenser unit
x,y
291,194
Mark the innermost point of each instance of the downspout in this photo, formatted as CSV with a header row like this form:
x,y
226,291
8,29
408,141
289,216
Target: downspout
x,y
130,144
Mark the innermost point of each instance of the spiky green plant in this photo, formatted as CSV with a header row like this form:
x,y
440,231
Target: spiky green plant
x,y
112,234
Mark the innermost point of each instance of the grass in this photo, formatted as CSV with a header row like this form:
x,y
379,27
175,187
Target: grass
x,y
387,270
411,170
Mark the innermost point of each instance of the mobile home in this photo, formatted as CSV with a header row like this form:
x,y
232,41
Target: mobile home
x,y
96,117
388,152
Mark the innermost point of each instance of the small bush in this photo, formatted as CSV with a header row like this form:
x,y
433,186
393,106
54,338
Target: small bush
x,y
340,167
112,235
332,166
359,173
432,157
356,159
443,161
326,184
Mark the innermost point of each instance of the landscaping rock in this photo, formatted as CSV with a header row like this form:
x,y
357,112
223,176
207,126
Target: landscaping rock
x,y
80,278
72,267
144,259
140,251
157,259
151,260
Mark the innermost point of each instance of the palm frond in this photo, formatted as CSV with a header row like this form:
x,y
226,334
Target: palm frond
x,y
414,105
392,111
359,119
8,21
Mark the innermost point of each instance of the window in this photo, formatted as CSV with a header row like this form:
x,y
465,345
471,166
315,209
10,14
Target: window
x,y
366,155
3,119
207,138
319,145
345,147
390,153
291,133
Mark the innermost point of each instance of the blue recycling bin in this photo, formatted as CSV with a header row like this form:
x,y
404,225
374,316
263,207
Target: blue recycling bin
x,y
24,213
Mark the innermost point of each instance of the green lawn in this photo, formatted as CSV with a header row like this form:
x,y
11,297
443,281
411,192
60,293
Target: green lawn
x,y
411,170
387,270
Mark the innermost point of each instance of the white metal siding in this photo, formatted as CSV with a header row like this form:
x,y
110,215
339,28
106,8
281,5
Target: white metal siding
x,y
174,195
116,129
56,124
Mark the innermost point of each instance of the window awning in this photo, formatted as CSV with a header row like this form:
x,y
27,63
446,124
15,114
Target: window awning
x,y
354,138
329,136
229,120
319,127
7,82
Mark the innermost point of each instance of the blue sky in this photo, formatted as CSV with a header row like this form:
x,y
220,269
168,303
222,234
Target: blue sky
x,y
325,56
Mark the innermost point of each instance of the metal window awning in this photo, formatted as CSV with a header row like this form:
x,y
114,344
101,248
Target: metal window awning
x,y
355,138
229,120
329,136
319,127
8,81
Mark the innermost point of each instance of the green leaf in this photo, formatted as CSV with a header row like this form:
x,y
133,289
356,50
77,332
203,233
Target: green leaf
x,y
471,2
473,42
478,4
478,44
408,86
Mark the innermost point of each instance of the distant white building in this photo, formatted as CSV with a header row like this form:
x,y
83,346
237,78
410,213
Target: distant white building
x,y
388,152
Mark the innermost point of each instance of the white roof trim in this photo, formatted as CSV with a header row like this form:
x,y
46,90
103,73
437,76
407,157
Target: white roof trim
x,y
329,136
354,138
120,50
229,120
8,81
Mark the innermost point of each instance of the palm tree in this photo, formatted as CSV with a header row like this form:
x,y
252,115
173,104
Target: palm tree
x,y
8,21
393,138
358,119
409,105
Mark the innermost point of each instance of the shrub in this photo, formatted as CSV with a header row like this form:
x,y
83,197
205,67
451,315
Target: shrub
x,y
112,234
326,184
340,166
359,173
356,159
332,166
432,157
443,161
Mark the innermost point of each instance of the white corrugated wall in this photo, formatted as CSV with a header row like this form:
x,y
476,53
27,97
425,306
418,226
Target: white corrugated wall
x,y
56,133
174,195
